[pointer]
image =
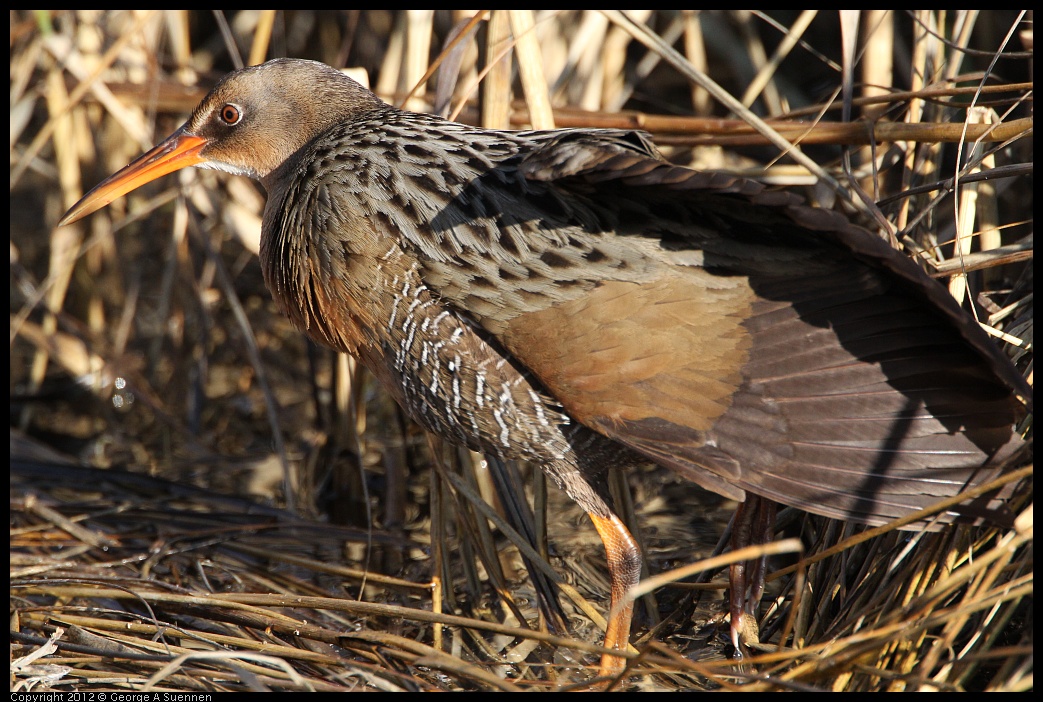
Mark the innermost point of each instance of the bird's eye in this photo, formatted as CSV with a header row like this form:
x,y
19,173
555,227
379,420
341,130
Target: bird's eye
x,y
230,115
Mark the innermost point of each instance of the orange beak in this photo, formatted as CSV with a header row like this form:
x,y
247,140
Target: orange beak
x,y
177,151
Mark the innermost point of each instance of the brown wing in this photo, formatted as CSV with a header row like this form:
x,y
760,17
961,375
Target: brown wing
x,y
802,358
733,334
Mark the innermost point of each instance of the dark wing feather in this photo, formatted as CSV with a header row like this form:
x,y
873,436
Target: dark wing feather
x,y
851,384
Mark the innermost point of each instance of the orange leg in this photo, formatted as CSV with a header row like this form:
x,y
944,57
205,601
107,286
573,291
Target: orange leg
x,y
624,566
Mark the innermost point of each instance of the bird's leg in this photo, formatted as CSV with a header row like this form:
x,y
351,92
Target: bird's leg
x,y
737,572
754,524
762,533
624,565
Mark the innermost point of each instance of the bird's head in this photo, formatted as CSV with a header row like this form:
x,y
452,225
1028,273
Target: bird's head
x,y
251,122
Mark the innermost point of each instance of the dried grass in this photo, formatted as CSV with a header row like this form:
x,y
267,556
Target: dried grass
x,y
202,502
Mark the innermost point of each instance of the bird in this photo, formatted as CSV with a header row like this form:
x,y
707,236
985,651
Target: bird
x,y
573,299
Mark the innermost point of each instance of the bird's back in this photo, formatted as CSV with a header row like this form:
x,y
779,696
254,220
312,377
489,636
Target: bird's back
x,y
731,333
